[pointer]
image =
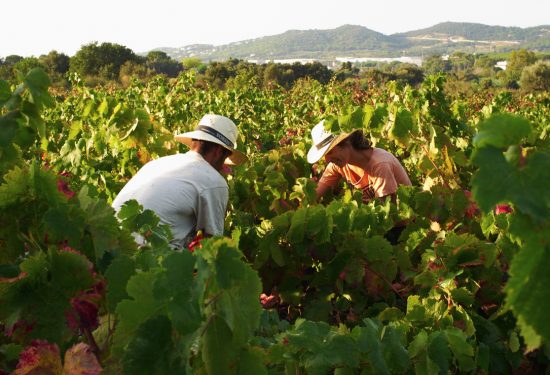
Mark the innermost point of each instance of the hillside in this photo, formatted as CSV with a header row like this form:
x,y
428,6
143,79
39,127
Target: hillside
x,y
476,31
359,41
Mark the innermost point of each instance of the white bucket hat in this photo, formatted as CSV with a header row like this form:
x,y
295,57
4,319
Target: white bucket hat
x,y
217,129
323,142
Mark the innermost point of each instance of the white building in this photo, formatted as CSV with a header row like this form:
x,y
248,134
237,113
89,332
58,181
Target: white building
x,y
402,59
501,64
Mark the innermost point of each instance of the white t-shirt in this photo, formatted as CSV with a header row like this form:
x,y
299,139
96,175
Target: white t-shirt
x,y
184,190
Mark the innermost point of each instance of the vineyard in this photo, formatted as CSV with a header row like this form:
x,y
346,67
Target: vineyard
x,y
295,286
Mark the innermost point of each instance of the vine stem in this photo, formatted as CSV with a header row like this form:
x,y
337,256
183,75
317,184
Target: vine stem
x,y
207,324
92,342
436,167
384,279
213,298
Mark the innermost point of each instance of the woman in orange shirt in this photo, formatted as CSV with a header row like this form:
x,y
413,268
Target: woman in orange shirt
x,y
350,156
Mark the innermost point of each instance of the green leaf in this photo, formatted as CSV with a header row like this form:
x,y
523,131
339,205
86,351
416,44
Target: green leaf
x,y
368,341
218,351
119,272
502,130
351,119
38,82
462,350
416,312
8,129
234,290
70,272
5,92
319,225
151,349
63,223
76,127
419,344
10,351
526,291
277,254
395,354
103,226
438,351
134,312
391,314
183,308
296,231
402,127
497,181
251,363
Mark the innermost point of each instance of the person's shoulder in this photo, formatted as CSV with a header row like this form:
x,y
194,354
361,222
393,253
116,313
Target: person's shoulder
x,y
380,155
207,176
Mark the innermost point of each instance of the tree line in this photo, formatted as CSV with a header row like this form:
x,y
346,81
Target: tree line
x,y
113,63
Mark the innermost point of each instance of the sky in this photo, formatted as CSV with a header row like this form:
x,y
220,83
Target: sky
x,y
35,27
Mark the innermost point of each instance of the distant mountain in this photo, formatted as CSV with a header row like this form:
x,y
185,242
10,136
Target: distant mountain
x,y
476,31
359,41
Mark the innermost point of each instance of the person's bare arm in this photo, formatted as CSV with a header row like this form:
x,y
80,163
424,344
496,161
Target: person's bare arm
x,y
321,190
328,181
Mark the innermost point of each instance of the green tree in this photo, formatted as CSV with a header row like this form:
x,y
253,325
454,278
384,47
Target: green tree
x,y
192,63
130,70
484,66
347,70
518,60
536,77
55,62
12,59
436,64
161,63
7,65
25,65
461,62
102,60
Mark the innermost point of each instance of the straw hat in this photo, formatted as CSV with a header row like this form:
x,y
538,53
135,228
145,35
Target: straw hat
x,y
323,142
217,129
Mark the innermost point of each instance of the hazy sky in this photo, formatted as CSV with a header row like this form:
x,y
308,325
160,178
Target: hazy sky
x,y
39,26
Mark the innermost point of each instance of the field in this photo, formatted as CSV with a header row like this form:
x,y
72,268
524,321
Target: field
x,y
464,290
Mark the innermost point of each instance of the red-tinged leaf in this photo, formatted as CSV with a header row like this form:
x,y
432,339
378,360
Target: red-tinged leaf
x,y
84,308
19,330
472,209
39,358
63,187
80,360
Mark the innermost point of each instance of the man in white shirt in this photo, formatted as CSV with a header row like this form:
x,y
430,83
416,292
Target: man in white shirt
x,y
187,191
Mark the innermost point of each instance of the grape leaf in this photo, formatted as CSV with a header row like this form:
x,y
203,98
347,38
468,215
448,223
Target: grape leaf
x,y
134,312
438,351
526,289
151,348
502,130
80,360
119,272
38,82
39,358
251,362
218,351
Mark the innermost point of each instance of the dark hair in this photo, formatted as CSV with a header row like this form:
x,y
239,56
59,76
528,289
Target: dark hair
x,y
358,141
204,147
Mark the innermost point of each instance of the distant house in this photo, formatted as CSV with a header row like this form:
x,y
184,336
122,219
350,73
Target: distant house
x,y
402,59
501,64
293,61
